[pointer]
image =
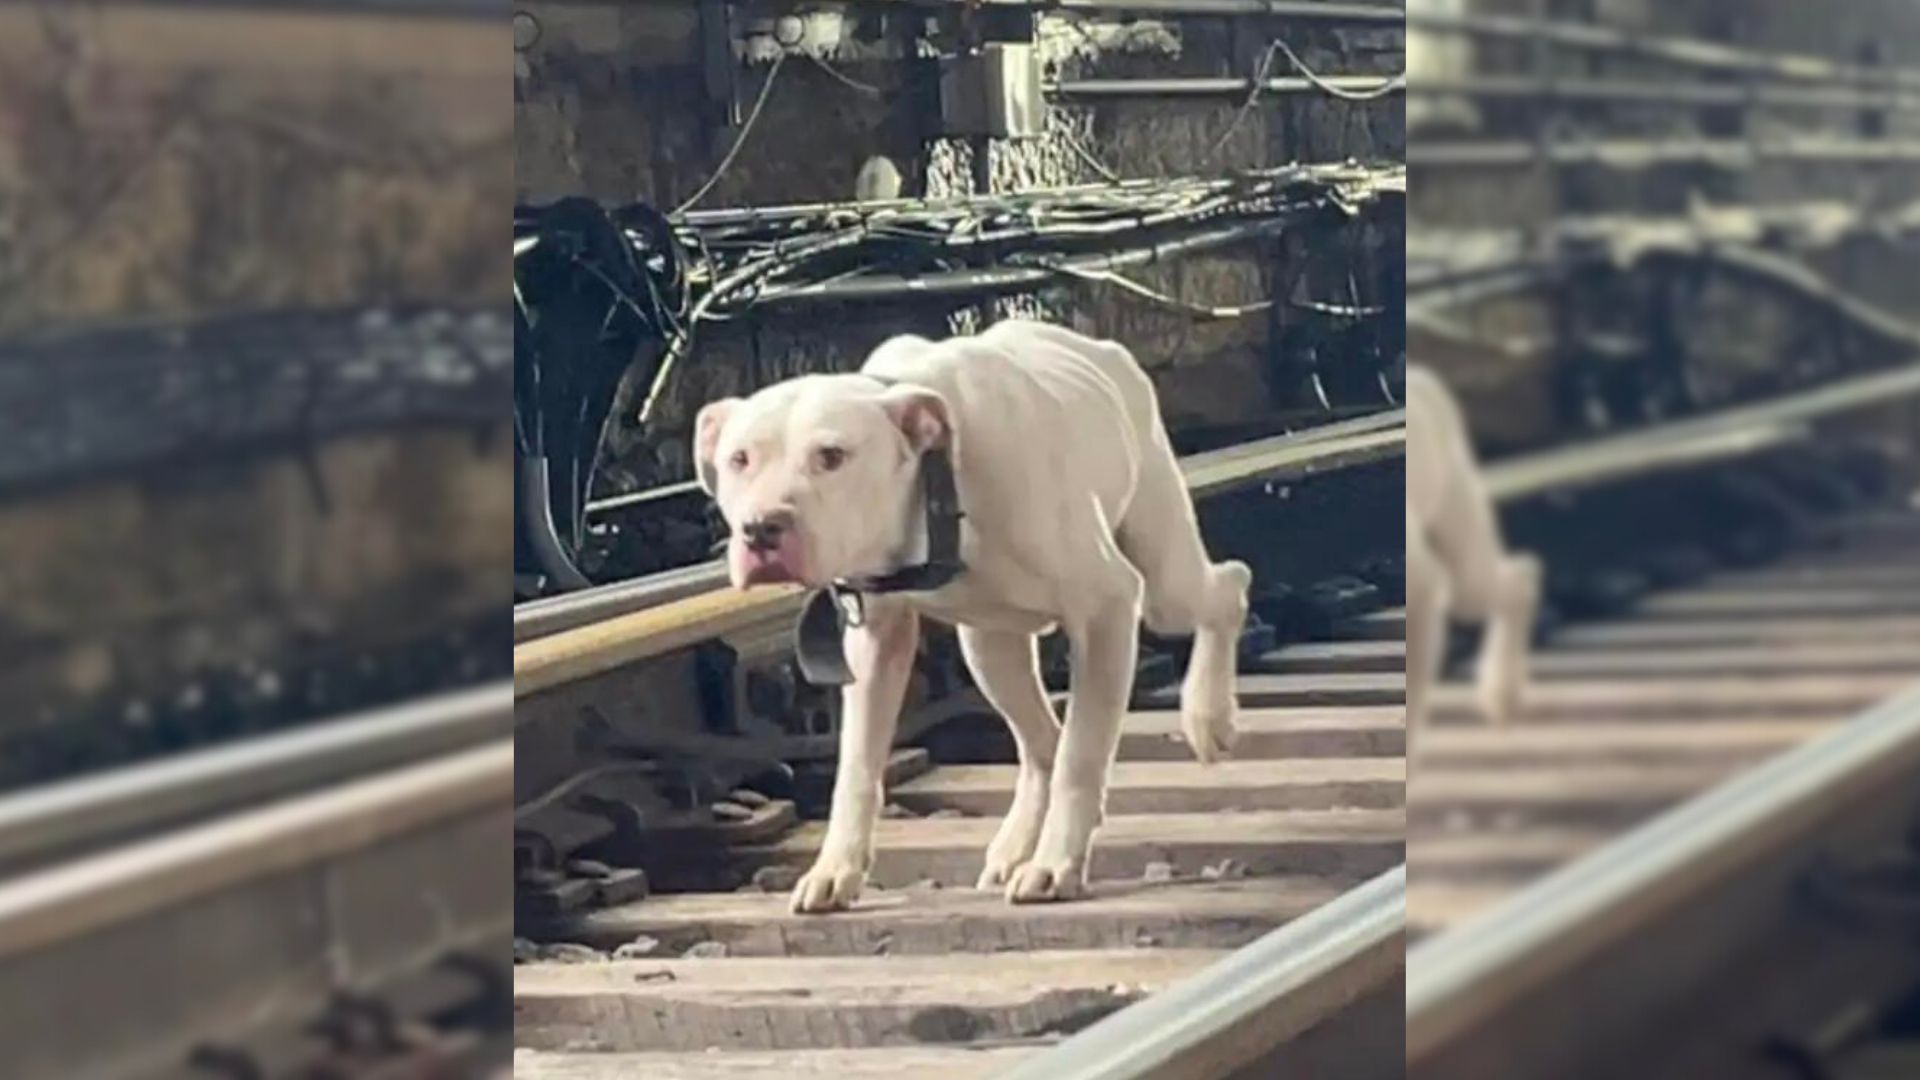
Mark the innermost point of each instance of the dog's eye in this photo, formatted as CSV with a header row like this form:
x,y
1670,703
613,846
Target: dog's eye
x,y
738,461
830,458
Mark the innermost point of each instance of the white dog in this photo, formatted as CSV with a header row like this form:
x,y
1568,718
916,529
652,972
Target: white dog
x,y
1075,515
1457,563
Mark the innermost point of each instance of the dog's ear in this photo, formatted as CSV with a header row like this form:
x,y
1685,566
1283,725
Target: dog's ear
x,y
706,441
921,415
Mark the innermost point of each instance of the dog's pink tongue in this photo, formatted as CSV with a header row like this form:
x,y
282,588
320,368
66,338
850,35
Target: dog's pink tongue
x,y
752,567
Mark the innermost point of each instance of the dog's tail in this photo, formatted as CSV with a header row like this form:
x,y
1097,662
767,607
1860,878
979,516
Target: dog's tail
x,y
1207,702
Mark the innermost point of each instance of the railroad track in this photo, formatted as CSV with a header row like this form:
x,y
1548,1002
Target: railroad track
x,y
1193,863
318,902
1277,870
1739,857
1634,715
1694,858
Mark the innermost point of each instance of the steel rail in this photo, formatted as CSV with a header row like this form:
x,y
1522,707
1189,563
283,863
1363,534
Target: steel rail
x,y
1223,86
1242,1012
1650,153
122,963
1510,965
1687,52
580,638
483,9
1323,10
71,900
1657,92
1734,432
66,819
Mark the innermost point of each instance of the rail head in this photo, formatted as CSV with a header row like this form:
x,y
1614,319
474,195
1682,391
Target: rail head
x,y
1719,436
1462,978
1251,1003
66,902
61,820
584,649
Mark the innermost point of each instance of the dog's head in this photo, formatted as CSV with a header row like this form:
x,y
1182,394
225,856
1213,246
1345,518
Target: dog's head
x,y
817,476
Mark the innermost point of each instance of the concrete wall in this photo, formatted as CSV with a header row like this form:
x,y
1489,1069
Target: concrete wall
x,y
1506,394
160,163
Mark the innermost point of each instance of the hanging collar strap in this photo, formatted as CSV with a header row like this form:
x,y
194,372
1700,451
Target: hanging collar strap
x,y
831,610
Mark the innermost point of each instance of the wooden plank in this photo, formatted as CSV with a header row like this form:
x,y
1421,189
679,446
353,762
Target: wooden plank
x,y
1332,657
892,1063
1585,792
1751,658
1732,742
1267,734
1181,787
1451,853
1440,905
1346,845
833,1002
1388,625
1901,575
1721,633
1179,914
1720,602
1300,691
1779,696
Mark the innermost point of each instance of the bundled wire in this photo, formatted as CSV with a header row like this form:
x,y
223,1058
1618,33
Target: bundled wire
x,y
605,295
753,257
596,294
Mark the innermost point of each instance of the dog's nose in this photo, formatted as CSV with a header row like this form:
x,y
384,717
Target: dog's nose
x,y
764,533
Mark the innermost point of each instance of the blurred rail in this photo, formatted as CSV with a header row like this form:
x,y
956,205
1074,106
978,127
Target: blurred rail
x,y
327,899
1589,971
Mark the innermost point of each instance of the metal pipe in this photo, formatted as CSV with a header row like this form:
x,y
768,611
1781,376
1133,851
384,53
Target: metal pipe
x,y
641,498
1216,87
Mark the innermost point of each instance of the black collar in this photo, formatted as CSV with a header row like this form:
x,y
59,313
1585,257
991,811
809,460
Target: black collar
x,y
817,639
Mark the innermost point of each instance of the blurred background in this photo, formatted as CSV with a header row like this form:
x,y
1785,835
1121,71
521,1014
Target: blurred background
x,y
254,372
1665,255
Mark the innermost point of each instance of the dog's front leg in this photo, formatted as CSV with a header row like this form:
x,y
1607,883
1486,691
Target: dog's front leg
x,y
1105,648
880,652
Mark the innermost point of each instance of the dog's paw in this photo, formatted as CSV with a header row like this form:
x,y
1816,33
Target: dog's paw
x,y
829,886
995,875
1041,882
1502,702
1210,731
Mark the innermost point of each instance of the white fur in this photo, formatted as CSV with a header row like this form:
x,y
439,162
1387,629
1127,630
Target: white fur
x,y
1457,564
1077,516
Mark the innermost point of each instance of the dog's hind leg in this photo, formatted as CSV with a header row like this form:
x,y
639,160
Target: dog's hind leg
x,y
1188,594
1490,586
1006,666
1104,631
